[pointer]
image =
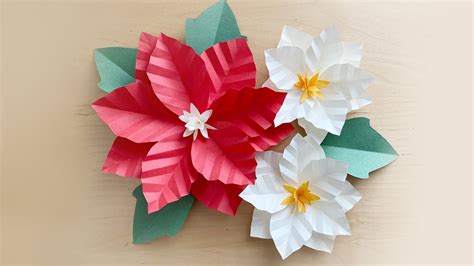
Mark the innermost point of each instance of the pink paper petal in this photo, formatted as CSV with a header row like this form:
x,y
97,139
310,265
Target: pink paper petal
x,y
134,112
146,45
178,76
251,110
167,173
271,137
125,158
217,195
230,65
226,156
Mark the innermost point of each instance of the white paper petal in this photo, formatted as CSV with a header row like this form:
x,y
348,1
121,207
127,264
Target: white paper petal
x,y
284,64
292,108
289,231
268,192
260,227
328,218
205,116
312,132
294,37
321,242
297,155
352,82
187,132
348,197
329,112
204,132
194,110
327,177
327,50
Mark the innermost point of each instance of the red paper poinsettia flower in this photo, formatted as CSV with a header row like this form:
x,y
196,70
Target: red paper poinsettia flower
x,y
190,123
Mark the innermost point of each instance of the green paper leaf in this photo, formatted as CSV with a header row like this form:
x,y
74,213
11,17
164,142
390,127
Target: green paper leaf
x,y
216,24
165,222
116,67
361,146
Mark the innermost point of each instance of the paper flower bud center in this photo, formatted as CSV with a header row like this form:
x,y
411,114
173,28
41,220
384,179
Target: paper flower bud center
x,y
311,87
299,196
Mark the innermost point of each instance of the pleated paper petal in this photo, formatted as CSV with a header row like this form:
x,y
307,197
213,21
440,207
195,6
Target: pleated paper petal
x,y
294,37
289,231
321,242
251,110
167,173
327,177
327,217
125,158
329,113
271,137
260,226
292,108
134,112
312,132
297,155
283,64
230,66
348,197
146,45
226,156
178,76
352,82
217,195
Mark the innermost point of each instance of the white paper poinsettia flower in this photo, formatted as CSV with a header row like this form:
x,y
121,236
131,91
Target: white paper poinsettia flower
x,y
300,197
321,76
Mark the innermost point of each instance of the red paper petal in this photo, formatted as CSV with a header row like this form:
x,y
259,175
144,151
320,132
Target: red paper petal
x,y
217,195
251,110
167,173
145,47
134,112
272,136
226,156
230,66
125,158
178,76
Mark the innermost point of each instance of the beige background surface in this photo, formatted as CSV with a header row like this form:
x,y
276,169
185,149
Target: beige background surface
x,y
58,208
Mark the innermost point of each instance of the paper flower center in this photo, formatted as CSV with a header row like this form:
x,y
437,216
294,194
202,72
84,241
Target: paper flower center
x,y
299,196
195,122
311,87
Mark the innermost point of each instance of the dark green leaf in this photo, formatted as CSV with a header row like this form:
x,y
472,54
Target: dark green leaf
x,y
116,67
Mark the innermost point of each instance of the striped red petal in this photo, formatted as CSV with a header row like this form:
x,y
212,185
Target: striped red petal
x,y
125,158
167,173
271,137
230,66
146,45
134,112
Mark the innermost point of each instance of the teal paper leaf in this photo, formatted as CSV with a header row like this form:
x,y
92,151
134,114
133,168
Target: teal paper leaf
x,y
165,222
116,67
216,24
361,146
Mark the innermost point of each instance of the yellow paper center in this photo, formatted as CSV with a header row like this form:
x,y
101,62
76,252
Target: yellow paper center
x,y
299,196
311,87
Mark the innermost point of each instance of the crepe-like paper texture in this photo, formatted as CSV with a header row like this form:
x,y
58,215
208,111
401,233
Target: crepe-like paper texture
x,y
216,24
116,67
166,222
361,146
321,76
167,106
300,197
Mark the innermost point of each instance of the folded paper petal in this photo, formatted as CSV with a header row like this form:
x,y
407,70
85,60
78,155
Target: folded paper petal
x,y
326,176
267,193
289,231
294,37
329,113
146,45
178,76
321,242
349,197
217,195
284,63
292,108
312,132
134,112
226,156
251,110
327,50
167,173
352,82
297,155
230,66
271,137
260,226
125,158
327,217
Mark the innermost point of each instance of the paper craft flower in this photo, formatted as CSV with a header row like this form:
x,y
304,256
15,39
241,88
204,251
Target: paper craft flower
x,y
300,198
321,76
190,123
